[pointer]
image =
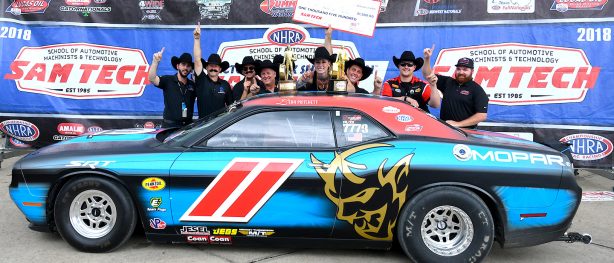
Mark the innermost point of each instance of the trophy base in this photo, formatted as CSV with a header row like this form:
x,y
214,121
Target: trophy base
x,y
287,85
340,86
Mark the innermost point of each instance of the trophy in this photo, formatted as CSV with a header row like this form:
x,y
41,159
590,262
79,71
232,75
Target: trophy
x,y
286,81
337,72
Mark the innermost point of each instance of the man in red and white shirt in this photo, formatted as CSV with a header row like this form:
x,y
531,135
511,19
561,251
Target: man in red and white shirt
x,y
409,88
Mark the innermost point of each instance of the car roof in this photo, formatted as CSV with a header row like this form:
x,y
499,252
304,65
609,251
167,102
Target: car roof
x,y
398,116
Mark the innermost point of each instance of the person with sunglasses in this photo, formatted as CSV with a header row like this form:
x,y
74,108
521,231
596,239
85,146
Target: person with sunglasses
x,y
409,88
249,83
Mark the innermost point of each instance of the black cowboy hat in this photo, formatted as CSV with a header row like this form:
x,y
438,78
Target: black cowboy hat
x,y
215,59
185,57
321,52
266,64
366,71
247,60
408,56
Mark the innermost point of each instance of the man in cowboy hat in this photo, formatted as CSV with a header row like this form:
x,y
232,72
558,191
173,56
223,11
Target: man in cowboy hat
x,y
465,104
178,90
212,92
267,71
247,68
409,88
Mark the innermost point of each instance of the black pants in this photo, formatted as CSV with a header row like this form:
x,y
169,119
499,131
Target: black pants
x,y
173,124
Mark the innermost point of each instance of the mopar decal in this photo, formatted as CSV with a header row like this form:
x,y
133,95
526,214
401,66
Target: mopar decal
x,y
374,207
241,189
464,153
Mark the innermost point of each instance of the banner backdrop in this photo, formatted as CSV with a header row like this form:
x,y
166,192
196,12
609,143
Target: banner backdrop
x,y
72,66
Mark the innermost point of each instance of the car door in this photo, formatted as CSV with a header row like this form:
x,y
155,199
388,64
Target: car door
x,y
256,178
374,177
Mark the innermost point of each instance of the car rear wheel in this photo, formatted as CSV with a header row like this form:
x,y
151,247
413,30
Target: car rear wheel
x,y
94,214
446,224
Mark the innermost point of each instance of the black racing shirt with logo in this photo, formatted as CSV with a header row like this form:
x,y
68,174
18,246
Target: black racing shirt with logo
x,y
175,93
461,101
212,96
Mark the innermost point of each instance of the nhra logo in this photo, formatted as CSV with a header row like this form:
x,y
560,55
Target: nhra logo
x,y
94,129
278,8
71,128
286,36
20,7
80,71
588,147
20,130
565,5
17,143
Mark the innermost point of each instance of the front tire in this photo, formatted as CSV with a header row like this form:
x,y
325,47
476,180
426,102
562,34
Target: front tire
x,y
94,214
446,224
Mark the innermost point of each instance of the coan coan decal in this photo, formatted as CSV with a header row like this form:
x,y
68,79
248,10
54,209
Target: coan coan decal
x,y
80,71
371,204
522,74
240,190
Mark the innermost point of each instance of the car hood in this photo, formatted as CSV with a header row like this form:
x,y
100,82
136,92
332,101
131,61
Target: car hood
x,y
500,139
105,142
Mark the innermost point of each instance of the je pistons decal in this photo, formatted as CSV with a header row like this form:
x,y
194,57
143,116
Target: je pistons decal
x,y
153,184
374,207
240,190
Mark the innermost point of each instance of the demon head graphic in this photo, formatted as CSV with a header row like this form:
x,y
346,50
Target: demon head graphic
x,y
370,203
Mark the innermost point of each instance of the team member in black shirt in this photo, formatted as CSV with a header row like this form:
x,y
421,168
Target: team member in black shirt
x,y
465,104
247,68
178,90
212,92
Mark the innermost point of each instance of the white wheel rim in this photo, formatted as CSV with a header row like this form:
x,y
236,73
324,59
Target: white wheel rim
x,y
447,230
92,214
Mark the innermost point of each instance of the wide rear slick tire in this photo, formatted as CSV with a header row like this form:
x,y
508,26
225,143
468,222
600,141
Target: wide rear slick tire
x,y
446,224
94,214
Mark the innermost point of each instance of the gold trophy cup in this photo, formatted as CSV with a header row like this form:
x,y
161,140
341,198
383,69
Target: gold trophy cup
x,y
286,81
337,73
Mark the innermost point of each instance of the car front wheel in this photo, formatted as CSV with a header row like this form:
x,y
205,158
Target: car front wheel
x,y
94,214
446,224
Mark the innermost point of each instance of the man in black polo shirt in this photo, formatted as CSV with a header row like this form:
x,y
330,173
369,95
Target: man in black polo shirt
x,y
465,104
212,92
178,90
247,68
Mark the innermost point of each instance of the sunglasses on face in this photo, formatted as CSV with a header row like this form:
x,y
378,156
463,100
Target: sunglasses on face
x,y
407,64
249,68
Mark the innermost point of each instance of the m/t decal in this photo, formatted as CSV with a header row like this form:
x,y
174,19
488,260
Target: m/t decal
x,y
240,190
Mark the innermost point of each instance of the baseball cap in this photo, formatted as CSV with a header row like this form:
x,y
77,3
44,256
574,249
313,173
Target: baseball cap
x,y
465,62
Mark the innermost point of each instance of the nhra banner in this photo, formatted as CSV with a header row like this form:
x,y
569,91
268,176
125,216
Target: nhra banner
x,y
69,67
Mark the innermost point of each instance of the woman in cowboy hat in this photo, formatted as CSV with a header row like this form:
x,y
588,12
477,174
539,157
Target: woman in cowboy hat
x,y
212,92
178,90
247,68
409,88
319,78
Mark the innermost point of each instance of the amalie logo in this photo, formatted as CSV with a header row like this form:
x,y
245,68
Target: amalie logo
x,y
286,36
588,147
20,130
71,128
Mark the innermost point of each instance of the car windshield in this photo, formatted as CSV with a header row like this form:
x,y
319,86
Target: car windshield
x,y
199,125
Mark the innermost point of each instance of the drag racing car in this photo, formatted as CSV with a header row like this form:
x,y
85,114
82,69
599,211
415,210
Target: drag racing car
x,y
303,169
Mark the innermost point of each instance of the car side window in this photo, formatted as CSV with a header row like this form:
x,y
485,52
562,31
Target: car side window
x,y
354,128
285,129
